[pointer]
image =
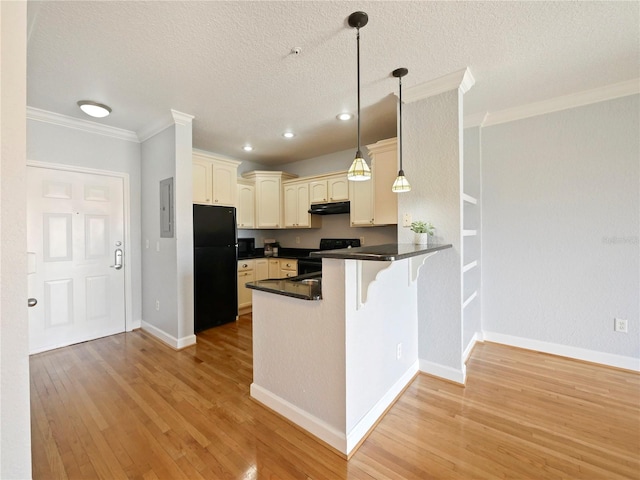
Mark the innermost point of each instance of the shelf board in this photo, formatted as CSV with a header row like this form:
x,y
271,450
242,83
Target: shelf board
x,y
469,233
469,266
470,299
469,199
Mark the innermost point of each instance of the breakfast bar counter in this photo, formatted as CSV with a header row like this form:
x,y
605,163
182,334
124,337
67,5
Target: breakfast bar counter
x,y
334,366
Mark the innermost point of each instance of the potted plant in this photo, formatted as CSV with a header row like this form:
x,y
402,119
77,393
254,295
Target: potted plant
x,y
422,230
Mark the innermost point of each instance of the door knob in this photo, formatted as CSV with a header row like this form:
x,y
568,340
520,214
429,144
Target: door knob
x,y
32,302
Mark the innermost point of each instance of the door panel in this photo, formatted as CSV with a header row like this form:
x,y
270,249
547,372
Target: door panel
x,y
75,222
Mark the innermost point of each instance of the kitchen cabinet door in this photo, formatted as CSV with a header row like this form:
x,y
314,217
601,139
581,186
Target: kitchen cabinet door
x,y
338,189
244,293
246,213
361,196
268,202
202,181
261,268
290,205
318,191
224,184
274,268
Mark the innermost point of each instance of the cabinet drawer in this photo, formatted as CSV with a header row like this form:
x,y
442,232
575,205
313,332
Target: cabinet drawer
x,y
244,265
289,264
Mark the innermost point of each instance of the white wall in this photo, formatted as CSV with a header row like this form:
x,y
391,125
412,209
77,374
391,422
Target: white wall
x,y
48,142
561,200
333,162
15,428
159,268
432,164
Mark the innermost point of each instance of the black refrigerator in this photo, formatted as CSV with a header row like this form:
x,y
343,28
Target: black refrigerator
x,y
215,265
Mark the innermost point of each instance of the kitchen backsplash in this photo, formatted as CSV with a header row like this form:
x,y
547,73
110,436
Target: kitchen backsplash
x,y
333,226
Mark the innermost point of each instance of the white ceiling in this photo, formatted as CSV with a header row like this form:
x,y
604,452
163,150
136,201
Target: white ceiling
x,y
229,63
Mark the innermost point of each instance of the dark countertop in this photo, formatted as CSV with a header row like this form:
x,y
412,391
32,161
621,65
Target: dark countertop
x,y
387,252
305,287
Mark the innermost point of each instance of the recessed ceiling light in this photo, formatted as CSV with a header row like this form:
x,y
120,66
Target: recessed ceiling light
x,y
247,148
94,109
288,134
344,117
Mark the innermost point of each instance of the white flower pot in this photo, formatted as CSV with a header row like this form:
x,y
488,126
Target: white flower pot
x,y
421,238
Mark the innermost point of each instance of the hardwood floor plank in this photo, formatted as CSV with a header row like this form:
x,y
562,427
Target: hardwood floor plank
x,y
126,406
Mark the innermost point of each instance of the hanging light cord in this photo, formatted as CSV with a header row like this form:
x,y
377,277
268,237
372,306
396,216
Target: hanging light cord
x,y
400,79
359,154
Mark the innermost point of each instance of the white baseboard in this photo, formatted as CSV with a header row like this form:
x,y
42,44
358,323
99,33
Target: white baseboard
x,y
170,340
302,418
342,442
134,324
361,429
443,371
610,359
477,337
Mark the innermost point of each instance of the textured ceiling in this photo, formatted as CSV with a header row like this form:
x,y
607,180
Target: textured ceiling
x,y
229,63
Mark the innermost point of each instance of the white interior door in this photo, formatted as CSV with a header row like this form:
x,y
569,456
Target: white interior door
x,y
75,231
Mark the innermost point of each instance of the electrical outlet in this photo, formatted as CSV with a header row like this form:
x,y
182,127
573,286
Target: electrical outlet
x,y
361,241
146,243
620,325
158,305
406,220
399,351
297,240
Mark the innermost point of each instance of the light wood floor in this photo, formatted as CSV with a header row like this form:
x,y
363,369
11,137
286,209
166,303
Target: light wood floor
x,y
128,407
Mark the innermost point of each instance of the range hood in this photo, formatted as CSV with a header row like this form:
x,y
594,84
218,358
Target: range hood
x,y
329,208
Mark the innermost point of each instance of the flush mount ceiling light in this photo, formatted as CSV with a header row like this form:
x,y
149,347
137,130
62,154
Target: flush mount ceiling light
x,y
94,109
401,184
247,148
344,116
359,170
288,134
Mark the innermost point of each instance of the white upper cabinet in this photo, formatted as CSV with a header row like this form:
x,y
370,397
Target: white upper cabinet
x,y
246,208
329,188
214,180
268,191
338,188
372,202
296,206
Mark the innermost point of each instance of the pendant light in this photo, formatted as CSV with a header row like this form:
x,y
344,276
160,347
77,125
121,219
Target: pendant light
x,y
359,170
401,184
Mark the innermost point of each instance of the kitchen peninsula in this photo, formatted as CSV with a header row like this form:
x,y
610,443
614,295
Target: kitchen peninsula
x,y
333,366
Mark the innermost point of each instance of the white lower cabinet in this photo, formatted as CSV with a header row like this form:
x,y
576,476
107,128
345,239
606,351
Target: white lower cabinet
x,y
288,268
262,268
274,268
246,273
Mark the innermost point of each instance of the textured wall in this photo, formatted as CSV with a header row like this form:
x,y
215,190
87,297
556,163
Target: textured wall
x,y
15,430
51,143
432,163
561,201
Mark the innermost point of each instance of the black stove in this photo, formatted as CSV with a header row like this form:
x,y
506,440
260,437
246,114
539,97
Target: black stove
x,y
314,264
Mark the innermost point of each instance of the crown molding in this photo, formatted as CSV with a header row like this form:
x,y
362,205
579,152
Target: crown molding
x,y
475,120
79,124
462,79
180,118
574,100
164,122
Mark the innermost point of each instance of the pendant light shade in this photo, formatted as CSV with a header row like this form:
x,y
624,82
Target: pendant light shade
x,y
401,184
359,170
